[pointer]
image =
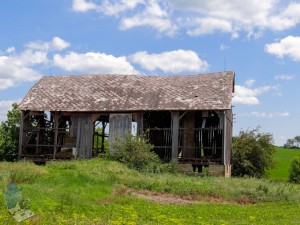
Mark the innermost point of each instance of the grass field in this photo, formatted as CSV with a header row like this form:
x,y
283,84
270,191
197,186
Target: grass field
x,y
99,191
283,158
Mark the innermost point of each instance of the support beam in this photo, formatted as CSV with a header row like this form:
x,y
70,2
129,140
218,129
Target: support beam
x,y
55,133
21,135
224,153
175,134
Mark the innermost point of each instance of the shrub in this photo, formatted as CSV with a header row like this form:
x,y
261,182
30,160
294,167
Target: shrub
x,y
9,135
136,153
294,176
252,153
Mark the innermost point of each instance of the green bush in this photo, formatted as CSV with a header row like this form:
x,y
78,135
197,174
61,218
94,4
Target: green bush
x,y
136,153
9,135
294,176
252,153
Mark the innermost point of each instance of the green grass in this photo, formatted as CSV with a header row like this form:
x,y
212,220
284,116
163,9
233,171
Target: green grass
x,y
283,158
96,192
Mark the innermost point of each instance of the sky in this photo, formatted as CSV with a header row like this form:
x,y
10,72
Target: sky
x,y
259,40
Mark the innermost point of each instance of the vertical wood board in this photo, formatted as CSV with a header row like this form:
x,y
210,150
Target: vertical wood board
x,y
84,142
119,125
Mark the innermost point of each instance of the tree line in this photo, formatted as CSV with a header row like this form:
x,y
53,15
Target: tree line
x,y
292,142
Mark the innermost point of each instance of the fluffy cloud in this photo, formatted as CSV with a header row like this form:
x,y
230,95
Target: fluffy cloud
x,y
18,67
83,6
114,8
56,44
170,62
93,62
154,16
289,46
236,16
199,17
4,107
247,96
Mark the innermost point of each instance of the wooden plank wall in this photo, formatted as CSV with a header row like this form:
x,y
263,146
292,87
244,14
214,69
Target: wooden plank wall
x,y
119,125
84,143
229,126
175,134
188,135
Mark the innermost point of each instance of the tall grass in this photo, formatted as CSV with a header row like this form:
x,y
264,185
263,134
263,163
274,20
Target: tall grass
x,y
95,192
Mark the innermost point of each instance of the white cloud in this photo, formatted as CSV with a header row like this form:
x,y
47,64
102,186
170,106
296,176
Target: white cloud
x,y
203,26
56,44
269,115
285,77
154,16
250,82
199,17
247,96
10,49
93,62
170,62
236,16
223,47
18,67
288,46
4,107
83,5
117,7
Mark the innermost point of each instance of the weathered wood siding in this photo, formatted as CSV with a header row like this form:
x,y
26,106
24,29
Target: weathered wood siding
x,y
228,137
175,134
74,125
119,125
188,135
84,135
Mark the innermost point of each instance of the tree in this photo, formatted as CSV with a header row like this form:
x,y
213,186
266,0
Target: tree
x,y
297,140
9,135
290,143
252,153
294,176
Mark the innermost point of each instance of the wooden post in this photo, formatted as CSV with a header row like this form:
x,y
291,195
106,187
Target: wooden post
x,y
175,134
21,132
55,133
224,152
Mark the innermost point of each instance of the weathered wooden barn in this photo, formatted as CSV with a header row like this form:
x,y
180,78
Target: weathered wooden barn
x,y
187,118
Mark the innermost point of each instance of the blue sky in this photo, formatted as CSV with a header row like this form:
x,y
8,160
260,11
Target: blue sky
x,y
259,40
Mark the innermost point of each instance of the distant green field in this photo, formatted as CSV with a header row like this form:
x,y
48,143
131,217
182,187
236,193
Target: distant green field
x,y
283,158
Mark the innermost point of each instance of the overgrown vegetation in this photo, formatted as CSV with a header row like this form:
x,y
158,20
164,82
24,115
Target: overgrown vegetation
x,y
252,153
9,135
295,170
135,152
100,191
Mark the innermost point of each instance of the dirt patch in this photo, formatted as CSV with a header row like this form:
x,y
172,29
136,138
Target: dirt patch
x,y
161,198
175,199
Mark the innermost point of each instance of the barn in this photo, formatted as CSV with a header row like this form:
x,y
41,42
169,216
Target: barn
x,y
188,118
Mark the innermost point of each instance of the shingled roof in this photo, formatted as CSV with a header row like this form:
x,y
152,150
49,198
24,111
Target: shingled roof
x,y
86,93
